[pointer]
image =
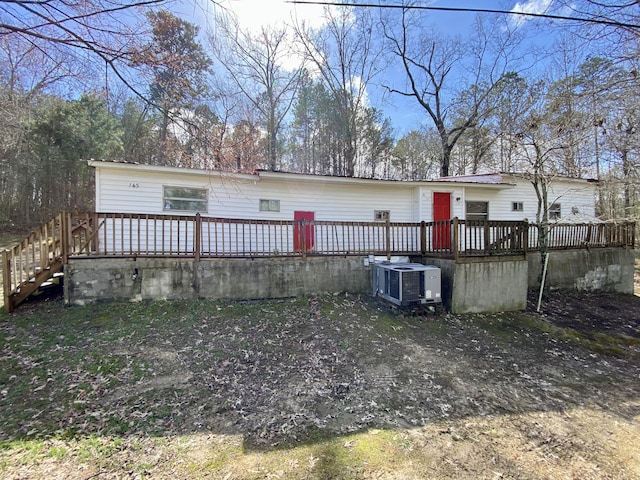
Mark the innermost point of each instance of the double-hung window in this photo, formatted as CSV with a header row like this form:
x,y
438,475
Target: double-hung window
x,y
555,211
477,211
185,199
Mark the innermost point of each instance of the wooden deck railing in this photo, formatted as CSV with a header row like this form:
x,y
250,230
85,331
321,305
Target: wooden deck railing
x,y
586,235
124,234
27,265
483,238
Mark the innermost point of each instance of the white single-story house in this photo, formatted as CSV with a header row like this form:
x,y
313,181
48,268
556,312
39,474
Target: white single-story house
x,y
166,232
148,189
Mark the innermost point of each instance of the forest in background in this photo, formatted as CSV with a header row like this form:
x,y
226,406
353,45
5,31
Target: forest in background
x,y
135,82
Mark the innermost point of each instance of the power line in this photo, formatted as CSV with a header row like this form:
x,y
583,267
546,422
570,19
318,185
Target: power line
x,y
469,10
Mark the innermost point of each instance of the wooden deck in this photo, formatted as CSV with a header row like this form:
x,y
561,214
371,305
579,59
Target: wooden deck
x,y
92,235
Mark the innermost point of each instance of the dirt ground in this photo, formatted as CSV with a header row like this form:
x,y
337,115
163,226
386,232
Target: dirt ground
x,y
525,395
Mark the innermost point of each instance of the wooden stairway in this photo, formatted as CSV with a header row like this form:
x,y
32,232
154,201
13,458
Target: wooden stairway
x,y
38,259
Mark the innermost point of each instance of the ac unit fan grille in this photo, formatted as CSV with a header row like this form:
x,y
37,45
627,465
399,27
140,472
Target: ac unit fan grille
x,y
411,285
394,284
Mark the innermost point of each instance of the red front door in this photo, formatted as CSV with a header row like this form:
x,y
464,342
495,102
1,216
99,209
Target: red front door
x,y
442,213
309,240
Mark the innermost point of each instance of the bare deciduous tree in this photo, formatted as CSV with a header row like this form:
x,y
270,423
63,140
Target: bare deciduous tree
x,y
540,142
618,38
257,65
436,66
103,30
347,56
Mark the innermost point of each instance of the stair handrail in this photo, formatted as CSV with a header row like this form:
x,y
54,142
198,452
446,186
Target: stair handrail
x,y
43,250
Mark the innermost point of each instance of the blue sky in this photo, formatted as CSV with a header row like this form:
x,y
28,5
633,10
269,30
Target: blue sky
x,y
405,114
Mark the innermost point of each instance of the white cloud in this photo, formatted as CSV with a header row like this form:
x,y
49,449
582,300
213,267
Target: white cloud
x,y
254,14
530,6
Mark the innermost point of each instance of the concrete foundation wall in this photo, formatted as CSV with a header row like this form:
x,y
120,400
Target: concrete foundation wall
x,y
599,270
90,280
486,286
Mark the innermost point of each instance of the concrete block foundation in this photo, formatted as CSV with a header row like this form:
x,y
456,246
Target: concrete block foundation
x,y
607,270
89,279
488,284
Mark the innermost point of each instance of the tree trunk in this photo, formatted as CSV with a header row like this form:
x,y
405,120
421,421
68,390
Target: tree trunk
x,y
273,141
446,161
162,144
626,171
542,218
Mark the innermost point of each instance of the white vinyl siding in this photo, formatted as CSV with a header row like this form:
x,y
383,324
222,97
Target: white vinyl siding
x,y
570,194
131,189
335,202
239,197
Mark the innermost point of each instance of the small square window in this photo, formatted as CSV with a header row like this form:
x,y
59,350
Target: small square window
x,y
381,215
555,211
517,206
267,205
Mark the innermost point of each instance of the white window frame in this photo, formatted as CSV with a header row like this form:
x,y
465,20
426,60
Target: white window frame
x,y
555,211
268,205
197,199
517,206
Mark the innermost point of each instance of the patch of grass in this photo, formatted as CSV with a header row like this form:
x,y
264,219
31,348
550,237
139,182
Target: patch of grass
x,y
322,456
505,326
25,449
100,447
95,449
388,324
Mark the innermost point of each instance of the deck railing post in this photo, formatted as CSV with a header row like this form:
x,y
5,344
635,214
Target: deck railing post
x,y
6,281
423,237
303,239
456,238
95,222
64,237
197,236
524,237
487,237
388,238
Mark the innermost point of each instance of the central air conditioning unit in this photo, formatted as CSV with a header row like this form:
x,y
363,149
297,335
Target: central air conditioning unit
x,y
407,283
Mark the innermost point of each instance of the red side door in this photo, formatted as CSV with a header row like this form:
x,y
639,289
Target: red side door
x,y
309,240
441,213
